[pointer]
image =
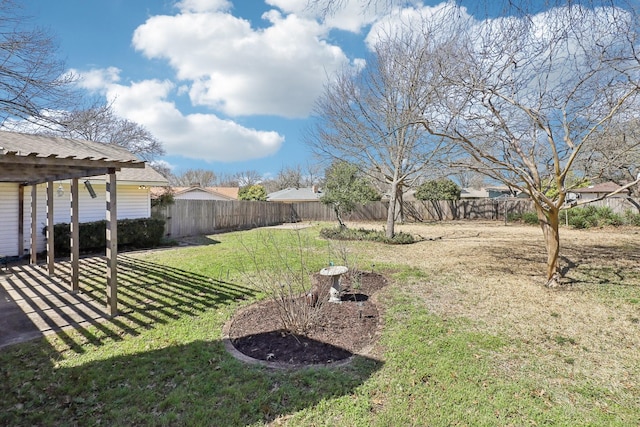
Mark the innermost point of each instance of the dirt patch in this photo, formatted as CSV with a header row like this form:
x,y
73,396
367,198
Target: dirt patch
x,y
342,329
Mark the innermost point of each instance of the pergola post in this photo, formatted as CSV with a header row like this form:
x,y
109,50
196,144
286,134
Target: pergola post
x,y
50,239
112,244
20,221
33,258
75,236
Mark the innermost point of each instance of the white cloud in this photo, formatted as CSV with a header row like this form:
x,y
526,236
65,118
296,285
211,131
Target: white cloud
x,y
96,80
162,164
197,136
239,70
203,5
447,16
352,16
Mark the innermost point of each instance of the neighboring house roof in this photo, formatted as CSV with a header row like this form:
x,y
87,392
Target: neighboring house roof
x,y
310,194
474,193
143,176
603,188
231,192
184,191
222,193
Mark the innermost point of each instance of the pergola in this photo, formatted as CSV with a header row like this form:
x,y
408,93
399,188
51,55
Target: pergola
x,y
30,160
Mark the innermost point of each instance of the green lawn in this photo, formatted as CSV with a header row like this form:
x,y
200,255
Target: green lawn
x,y
162,361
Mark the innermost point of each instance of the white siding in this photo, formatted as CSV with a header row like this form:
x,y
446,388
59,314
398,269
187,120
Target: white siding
x,y
8,219
133,202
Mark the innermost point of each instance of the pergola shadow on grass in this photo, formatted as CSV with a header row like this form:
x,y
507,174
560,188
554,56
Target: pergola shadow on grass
x,y
151,294
162,361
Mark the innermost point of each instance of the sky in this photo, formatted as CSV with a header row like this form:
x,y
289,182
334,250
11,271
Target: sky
x,y
225,85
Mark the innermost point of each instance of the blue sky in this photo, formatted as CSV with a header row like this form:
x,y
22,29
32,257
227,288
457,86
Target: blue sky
x,y
226,86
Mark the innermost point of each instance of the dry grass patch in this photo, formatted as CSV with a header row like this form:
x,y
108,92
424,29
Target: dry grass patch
x,y
585,333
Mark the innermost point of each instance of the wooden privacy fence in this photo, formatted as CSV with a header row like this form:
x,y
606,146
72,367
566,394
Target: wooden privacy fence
x,y
195,217
417,211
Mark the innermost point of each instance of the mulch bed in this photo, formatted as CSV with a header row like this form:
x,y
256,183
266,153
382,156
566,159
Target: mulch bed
x,y
341,330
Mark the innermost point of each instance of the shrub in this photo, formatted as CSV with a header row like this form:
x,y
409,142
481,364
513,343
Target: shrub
x,y
132,233
606,216
530,218
253,192
591,216
363,234
442,189
631,218
166,198
286,278
583,217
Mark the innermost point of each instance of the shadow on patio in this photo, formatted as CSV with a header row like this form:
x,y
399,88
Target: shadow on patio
x,y
35,304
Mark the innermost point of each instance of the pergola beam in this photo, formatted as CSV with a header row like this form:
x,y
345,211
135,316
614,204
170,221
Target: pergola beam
x,y
28,176
32,159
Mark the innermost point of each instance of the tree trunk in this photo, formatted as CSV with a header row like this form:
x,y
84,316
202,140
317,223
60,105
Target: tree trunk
x,y
340,221
391,211
400,205
549,222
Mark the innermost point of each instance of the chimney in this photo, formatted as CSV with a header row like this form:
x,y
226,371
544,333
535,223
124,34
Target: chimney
x,y
314,189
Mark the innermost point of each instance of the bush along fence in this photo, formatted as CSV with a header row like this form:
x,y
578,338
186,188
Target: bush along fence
x,y
196,217
132,234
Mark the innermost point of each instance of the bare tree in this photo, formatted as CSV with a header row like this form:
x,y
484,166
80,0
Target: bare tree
x,y
331,7
229,179
247,178
469,179
614,154
163,169
371,117
289,177
525,96
200,177
313,174
32,81
99,123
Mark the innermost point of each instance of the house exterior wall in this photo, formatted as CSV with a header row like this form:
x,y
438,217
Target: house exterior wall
x,y
589,196
133,202
8,219
592,196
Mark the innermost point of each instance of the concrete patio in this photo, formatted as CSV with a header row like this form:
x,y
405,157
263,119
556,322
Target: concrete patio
x,y
34,304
